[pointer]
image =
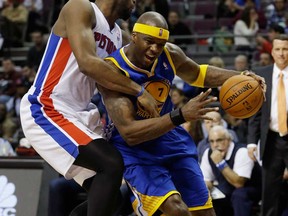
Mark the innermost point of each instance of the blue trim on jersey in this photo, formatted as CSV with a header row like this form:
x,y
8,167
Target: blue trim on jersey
x,y
36,106
50,52
49,128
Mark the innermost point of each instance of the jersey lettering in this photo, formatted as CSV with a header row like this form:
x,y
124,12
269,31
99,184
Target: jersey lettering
x,y
104,42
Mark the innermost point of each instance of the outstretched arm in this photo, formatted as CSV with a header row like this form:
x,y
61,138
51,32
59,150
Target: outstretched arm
x,y
122,113
189,70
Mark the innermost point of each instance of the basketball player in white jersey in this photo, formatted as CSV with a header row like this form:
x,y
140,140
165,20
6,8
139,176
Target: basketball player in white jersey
x,y
56,116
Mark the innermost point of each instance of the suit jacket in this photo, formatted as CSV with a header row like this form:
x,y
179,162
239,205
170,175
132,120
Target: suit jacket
x,y
258,125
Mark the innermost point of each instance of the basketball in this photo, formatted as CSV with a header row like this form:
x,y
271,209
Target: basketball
x,y
241,96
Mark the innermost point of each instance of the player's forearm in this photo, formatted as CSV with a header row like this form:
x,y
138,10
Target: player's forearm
x,y
217,76
106,76
141,131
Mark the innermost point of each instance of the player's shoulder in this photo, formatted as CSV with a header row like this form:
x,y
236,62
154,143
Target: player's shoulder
x,y
171,47
78,6
174,50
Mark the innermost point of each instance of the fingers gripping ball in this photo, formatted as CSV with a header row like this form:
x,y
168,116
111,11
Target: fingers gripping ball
x,y
241,96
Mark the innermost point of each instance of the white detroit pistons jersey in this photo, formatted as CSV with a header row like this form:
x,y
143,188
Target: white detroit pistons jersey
x,y
56,113
59,72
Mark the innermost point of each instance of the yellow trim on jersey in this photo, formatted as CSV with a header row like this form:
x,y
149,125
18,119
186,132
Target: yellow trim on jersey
x,y
151,30
207,205
170,60
146,200
148,73
117,65
199,82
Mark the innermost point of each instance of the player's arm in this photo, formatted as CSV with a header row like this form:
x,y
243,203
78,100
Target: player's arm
x,y
79,19
189,70
121,111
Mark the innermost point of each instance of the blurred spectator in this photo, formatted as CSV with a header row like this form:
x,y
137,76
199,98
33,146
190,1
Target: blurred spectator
x,y
227,166
206,127
222,40
28,76
34,22
275,12
36,52
160,6
227,9
241,63
242,4
245,29
13,105
14,23
237,125
64,196
265,59
7,125
178,98
217,62
3,4
265,45
9,79
177,27
6,148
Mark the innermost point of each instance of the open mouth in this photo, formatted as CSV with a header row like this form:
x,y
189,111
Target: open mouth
x,y
150,58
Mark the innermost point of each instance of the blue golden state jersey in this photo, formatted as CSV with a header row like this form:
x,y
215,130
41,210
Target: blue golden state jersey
x,y
157,82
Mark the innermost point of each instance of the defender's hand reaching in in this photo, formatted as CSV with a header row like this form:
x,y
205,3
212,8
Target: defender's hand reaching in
x,y
148,103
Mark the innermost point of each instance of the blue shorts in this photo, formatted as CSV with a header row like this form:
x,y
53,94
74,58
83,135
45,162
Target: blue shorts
x,y
153,184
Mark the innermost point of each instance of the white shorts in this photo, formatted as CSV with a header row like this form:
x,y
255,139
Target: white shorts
x,y
55,131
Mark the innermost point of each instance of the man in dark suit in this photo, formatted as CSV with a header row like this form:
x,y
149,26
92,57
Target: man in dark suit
x,y
273,139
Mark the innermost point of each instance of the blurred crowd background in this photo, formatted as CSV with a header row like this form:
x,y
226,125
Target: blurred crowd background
x,y
233,34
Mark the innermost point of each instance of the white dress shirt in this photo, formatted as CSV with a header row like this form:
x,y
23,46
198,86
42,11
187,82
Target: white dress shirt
x,y
274,108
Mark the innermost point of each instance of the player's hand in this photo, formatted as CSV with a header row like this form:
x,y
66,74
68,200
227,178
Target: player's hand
x,y
196,108
148,103
252,152
260,79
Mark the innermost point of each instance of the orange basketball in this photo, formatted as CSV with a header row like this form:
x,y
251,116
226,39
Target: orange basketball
x,y
241,96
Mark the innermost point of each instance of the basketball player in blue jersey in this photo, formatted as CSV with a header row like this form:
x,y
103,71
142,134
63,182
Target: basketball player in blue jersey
x,y
56,115
160,158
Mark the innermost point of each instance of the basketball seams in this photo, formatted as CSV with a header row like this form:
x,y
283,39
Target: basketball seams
x,y
259,102
235,85
244,98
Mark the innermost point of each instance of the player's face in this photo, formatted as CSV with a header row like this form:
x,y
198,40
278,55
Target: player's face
x,y
125,8
148,49
280,53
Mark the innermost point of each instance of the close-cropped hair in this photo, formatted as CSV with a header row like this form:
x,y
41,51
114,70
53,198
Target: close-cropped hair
x,y
283,37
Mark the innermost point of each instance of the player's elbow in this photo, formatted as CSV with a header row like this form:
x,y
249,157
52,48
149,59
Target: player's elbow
x,y
83,66
131,140
86,64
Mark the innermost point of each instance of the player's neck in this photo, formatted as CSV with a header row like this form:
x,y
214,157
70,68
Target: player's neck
x,y
106,9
